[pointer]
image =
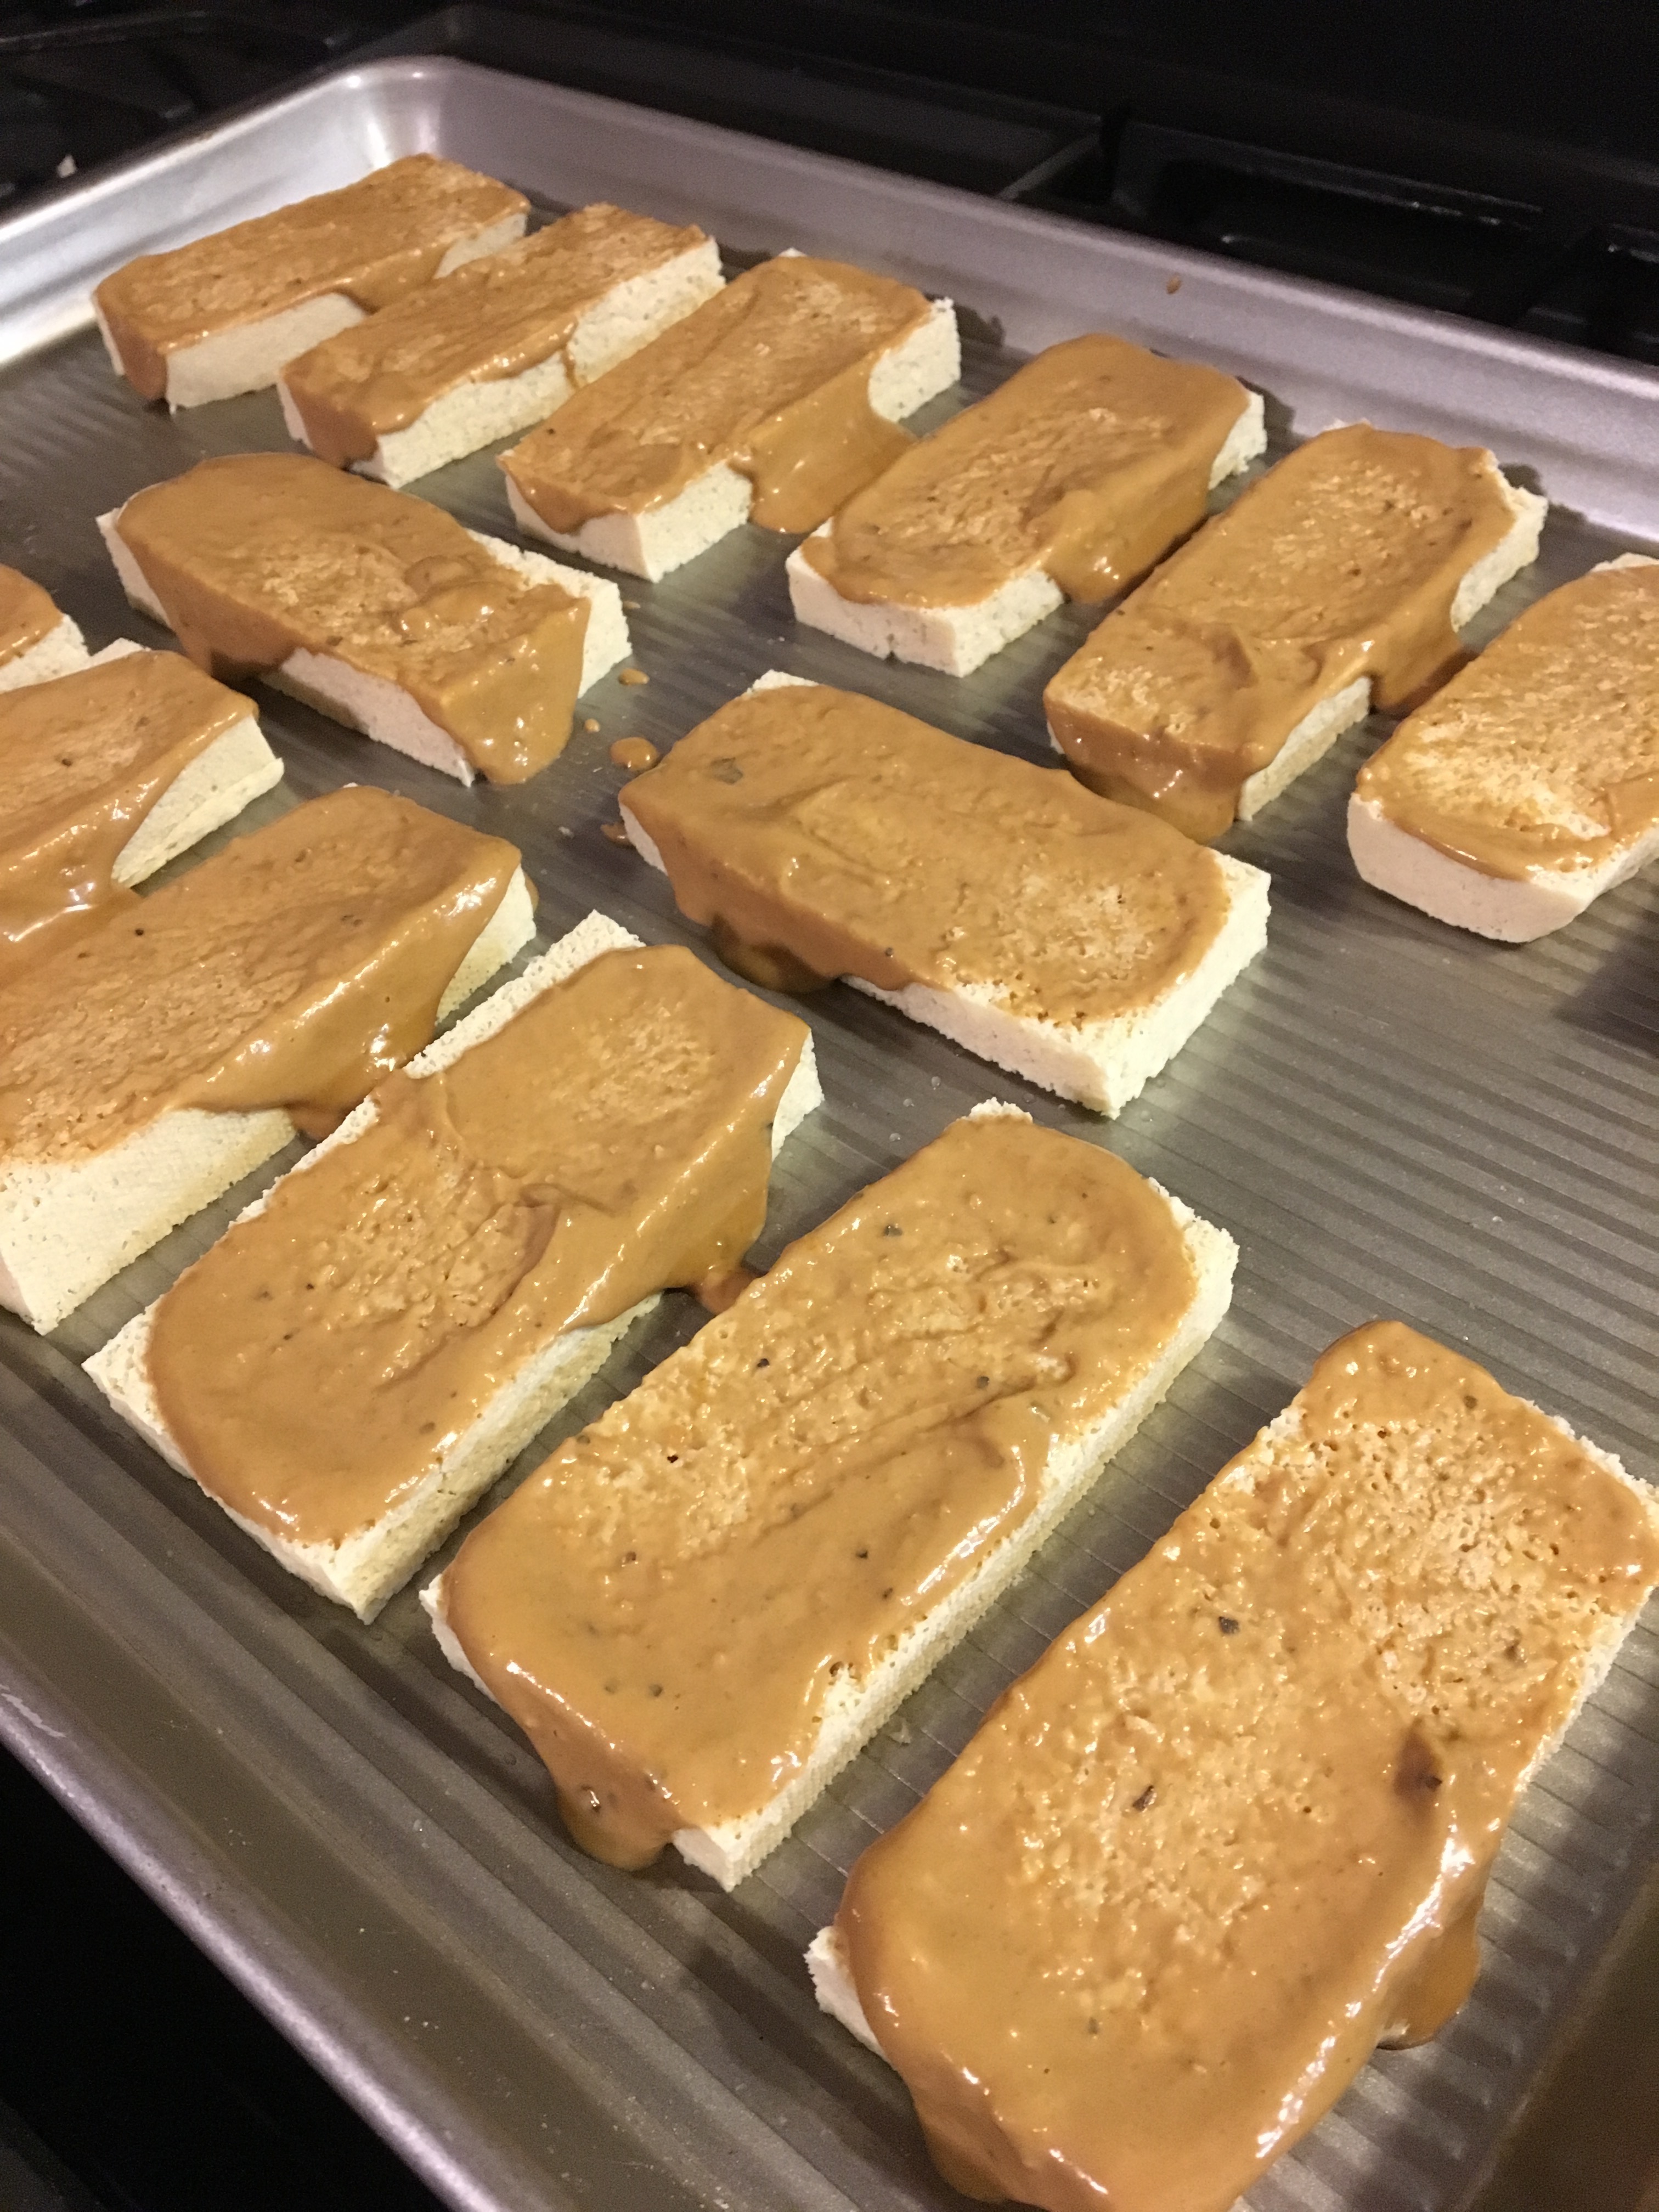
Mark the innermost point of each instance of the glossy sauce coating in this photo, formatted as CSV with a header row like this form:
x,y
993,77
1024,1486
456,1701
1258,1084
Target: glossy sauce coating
x,y
495,317
26,614
824,833
1544,752
611,1141
1234,1824
259,556
1089,463
670,1605
295,968
770,377
83,761
633,755
1342,561
372,241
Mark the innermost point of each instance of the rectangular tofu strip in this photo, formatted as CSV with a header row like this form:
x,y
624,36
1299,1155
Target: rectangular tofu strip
x,y
147,1066
1233,1829
36,641
1069,482
1336,584
771,402
378,609
350,1369
822,834
222,315
1530,785
497,346
702,1606
106,775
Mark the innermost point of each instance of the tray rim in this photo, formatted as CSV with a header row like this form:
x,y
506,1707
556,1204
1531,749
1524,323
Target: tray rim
x,y
1519,387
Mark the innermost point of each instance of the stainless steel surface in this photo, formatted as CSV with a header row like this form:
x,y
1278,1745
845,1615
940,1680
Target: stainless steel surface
x,y
1390,1116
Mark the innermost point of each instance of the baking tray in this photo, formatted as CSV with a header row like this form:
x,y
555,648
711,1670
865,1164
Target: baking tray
x,y
1390,1116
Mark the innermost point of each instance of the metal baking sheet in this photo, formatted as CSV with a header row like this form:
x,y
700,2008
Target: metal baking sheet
x,y
1390,1116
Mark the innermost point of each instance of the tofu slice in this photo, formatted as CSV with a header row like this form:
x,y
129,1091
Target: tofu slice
x,y
422,1495
350,683
37,642
421,384
105,774
1077,943
236,768
1233,1829
59,652
1069,481
221,315
703,1606
152,1064
1530,785
770,402
1337,582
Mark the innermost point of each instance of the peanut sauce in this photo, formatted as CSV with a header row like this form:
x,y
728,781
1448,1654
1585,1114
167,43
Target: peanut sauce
x,y
824,833
293,970
259,556
670,1605
83,759
771,378
1234,1825
1343,562
633,755
373,241
26,614
1089,463
611,1141
493,318
1544,752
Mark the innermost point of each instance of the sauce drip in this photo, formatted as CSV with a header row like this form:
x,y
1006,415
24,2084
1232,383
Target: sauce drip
x,y
293,970
1544,752
83,760
824,833
668,1608
494,317
1341,562
771,378
1149,1925
611,1141
26,614
373,242
259,556
1089,463
635,755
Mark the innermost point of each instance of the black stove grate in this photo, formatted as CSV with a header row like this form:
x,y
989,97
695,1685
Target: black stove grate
x,y
1560,241
106,79
1549,230
78,91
